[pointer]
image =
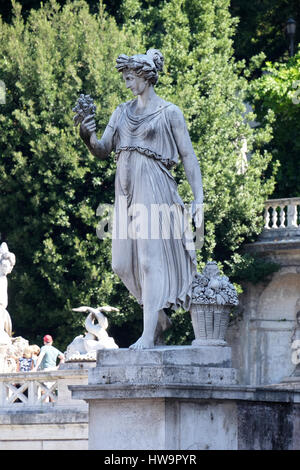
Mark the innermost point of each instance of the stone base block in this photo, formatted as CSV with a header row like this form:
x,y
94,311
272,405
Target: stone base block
x,y
209,342
165,365
191,417
160,399
144,424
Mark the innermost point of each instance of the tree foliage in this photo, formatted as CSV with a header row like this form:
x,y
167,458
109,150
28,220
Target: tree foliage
x,y
6,10
261,27
278,91
50,186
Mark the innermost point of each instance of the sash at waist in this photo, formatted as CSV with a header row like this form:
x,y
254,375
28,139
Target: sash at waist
x,y
148,153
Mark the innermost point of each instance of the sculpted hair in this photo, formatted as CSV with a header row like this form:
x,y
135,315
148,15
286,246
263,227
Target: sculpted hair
x,y
144,65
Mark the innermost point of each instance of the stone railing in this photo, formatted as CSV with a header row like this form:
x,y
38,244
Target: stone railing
x,y
40,389
282,214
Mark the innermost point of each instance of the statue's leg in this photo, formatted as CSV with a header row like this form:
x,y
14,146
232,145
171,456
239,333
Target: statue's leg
x,y
163,324
150,314
153,289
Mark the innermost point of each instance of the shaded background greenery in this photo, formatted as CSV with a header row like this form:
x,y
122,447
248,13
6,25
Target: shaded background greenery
x,y
260,28
50,186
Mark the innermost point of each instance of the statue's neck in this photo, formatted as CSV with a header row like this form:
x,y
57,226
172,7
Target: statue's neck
x,y
145,99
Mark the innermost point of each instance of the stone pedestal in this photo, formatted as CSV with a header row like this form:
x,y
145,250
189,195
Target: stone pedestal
x,y
191,417
184,398
164,365
143,420
145,399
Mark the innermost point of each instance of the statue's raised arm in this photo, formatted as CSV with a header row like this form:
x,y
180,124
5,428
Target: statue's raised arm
x,y
85,110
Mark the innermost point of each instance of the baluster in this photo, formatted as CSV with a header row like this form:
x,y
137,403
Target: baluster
x,y
292,215
274,217
282,216
32,393
267,217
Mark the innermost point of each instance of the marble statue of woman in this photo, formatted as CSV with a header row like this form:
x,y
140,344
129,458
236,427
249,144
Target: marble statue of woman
x,y
7,262
148,134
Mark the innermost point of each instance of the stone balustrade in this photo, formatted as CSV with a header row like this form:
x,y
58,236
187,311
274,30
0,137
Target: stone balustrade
x,y
38,389
282,213
37,411
27,390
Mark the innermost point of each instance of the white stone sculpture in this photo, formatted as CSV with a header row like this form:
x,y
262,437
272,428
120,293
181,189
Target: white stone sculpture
x,y
148,134
13,352
84,347
10,348
7,262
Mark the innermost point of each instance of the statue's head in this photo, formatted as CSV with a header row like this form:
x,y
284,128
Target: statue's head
x,y
146,65
7,260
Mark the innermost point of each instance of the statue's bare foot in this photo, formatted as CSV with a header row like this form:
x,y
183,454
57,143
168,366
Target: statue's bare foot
x,y
142,343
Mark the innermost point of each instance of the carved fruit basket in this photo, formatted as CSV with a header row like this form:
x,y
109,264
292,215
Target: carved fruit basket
x,y
210,323
213,296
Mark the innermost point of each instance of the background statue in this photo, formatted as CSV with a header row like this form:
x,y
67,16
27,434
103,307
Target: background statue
x,y
147,135
96,336
7,262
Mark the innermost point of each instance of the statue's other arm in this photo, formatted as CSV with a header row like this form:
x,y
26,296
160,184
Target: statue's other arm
x,y
186,152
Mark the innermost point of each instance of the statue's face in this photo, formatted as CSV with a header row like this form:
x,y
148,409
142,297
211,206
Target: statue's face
x,y
136,84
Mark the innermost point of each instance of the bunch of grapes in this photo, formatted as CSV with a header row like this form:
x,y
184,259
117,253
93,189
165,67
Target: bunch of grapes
x,y
84,107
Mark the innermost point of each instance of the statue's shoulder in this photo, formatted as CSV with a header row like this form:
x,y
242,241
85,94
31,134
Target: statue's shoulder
x,y
122,106
173,111
118,113
126,105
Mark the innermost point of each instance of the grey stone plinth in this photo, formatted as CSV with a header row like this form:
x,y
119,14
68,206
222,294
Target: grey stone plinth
x,y
291,382
174,398
164,365
191,417
209,342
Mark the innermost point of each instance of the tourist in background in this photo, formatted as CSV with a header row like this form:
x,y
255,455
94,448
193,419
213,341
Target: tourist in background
x,y
47,359
25,363
35,351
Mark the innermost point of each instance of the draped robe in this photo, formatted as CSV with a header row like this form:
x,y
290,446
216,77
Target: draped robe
x,y
152,241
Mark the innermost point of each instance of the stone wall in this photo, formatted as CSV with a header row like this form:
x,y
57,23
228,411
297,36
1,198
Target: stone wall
x,y
191,417
261,336
263,332
47,429
268,426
